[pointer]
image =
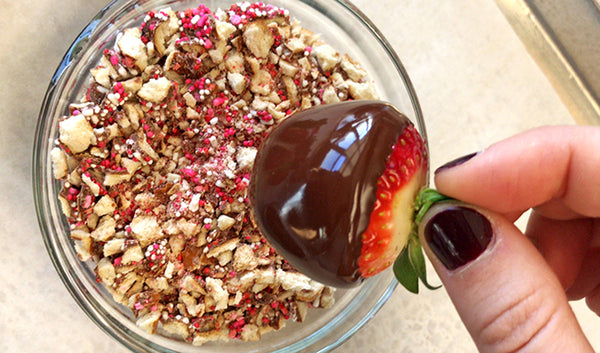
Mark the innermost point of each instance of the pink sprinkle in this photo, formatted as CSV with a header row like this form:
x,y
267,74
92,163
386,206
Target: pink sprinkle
x,y
207,226
138,306
88,202
156,246
236,19
188,172
114,60
218,101
118,261
150,134
153,308
202,20
207,43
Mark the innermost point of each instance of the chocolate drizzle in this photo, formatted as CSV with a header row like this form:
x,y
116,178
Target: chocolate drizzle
x,y
314,181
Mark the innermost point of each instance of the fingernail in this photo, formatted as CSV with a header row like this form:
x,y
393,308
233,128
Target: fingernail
x,y
456,162
458,235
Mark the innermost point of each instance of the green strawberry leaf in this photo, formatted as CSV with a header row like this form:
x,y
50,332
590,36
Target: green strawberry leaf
x,y
426,198
409,267
417,260
405,273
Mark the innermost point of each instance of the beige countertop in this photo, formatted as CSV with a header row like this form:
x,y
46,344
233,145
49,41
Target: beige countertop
x,y
476,84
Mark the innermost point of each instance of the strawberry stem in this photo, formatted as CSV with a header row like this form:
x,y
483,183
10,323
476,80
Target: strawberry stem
x,y
409,267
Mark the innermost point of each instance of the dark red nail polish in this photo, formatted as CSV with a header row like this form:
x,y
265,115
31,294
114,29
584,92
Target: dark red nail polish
x,y
456,162
458,235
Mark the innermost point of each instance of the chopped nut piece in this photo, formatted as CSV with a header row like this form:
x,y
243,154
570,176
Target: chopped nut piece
x,y
191,285
105,229
258,38
131,45
237,82
224,29
59,163
149,322
146,229
354,71
225,222
326,56
261,82
176,327
111,179
132,254
102,76
216,291
165,30
251,333
189,100
133,84
293,281
76,133
330,96
114,246
155,90
104,206
106,271
362,90
91,184
287,68
235,62
244,258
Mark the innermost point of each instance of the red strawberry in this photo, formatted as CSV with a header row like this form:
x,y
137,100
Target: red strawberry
x,y
333,189
392,217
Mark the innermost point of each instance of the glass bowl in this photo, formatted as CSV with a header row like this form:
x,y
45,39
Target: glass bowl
x,y
342,26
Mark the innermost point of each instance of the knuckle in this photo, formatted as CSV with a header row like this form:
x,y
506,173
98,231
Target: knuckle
x,y
519,322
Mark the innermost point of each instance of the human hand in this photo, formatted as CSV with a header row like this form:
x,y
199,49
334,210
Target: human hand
x,y
511,290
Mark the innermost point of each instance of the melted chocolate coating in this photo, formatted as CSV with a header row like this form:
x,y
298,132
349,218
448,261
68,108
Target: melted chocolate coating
x,y
314,181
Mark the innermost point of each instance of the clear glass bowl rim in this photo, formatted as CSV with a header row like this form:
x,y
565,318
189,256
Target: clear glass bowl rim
x,y
41,200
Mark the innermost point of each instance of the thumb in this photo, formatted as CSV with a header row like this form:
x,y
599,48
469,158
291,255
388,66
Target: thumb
x,y
505,293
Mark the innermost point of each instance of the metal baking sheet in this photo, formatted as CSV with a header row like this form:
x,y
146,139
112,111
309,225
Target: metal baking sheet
x,y
563,37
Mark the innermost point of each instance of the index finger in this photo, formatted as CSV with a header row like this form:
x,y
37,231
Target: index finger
x,y
557,166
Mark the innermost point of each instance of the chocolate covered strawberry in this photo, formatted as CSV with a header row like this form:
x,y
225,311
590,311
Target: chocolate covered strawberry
x,y
333,189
